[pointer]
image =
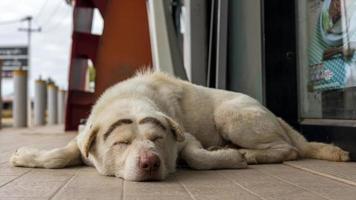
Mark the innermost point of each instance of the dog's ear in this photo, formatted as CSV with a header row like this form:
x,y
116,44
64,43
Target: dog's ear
x,y
87,139
90,141
176,129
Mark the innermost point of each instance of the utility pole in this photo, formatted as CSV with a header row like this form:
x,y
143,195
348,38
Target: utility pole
x,y
29,31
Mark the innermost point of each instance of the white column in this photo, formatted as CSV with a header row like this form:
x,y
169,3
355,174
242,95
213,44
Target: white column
x,y
20,98
52,105
61,105
40,102
1,103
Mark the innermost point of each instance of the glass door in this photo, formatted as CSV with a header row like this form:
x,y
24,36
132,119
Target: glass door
x,y
309,67
326,63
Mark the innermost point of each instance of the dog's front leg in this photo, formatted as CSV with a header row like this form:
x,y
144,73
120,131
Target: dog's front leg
x,y
199,158
55,158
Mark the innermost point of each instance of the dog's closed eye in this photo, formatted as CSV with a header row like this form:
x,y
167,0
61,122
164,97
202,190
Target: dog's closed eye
x,y
156,138
124,142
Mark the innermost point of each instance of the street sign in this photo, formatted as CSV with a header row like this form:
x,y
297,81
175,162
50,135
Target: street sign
x,y
13,51
9,64
12,58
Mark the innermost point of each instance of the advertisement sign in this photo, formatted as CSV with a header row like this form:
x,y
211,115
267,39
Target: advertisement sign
x,y
13,51
12,58
332,57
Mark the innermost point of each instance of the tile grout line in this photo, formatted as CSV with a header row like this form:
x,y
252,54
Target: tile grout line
x,y
8,181
123,189
322,174
298,186
243,187
63,185
16,178
186,189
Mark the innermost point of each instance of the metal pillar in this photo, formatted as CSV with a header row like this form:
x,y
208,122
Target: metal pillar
x,y
52,106
20,98
40,102
195,43
165,51
221,44
61,105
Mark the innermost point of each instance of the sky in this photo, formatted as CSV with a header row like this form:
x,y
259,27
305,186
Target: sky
x,y
50,49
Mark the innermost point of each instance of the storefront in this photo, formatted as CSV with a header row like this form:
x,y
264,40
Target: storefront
x,y
310,67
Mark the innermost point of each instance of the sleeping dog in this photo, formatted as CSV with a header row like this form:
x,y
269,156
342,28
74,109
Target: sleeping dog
x,y
138,128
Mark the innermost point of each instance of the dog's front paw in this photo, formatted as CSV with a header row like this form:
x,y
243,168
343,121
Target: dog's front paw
x,y
239,160
249,157
24,157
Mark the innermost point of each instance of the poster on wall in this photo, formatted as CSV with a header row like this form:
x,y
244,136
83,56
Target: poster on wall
x,y
331,52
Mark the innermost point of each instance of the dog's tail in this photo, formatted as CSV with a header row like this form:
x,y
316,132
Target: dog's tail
x,y
315,150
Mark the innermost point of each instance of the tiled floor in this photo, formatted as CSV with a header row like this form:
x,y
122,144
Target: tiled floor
x,y
306,179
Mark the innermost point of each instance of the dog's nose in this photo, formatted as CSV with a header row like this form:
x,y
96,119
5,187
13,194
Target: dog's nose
x,y
149,161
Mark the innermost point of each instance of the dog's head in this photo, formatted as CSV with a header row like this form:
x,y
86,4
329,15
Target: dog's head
x,y
137,144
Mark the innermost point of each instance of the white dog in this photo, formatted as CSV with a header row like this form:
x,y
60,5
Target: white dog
x,y
138,127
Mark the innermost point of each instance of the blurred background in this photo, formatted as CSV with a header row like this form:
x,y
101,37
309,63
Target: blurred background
x,y
51,37
296,57
43,29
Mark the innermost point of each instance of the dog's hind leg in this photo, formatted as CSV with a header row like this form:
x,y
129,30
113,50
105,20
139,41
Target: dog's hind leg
x,y
256,131
274,154
199,158
55,158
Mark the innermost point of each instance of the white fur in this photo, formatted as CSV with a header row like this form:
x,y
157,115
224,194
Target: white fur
x,y
207,118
